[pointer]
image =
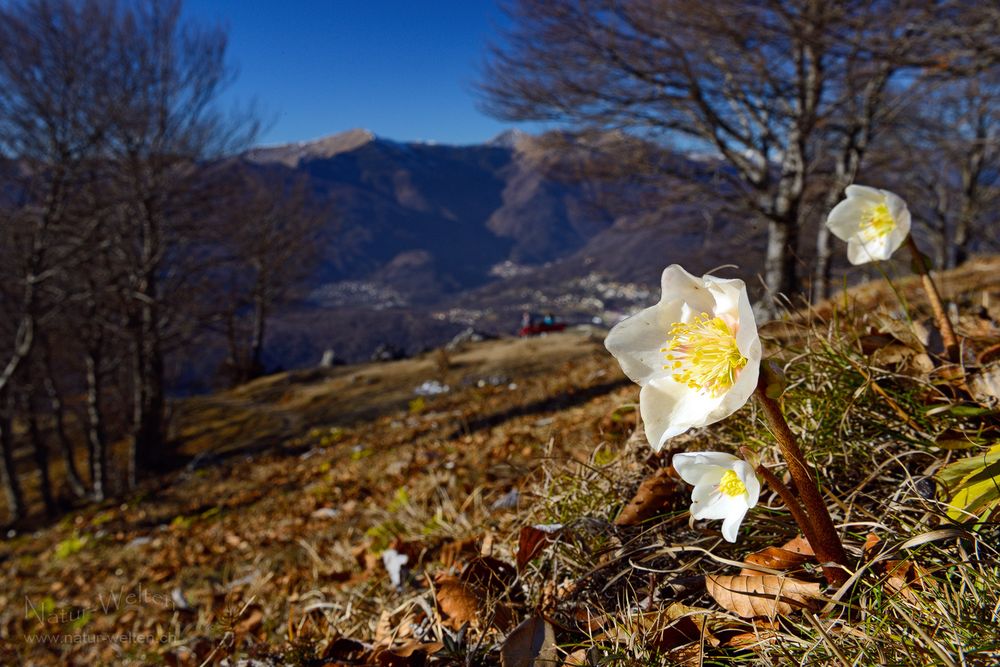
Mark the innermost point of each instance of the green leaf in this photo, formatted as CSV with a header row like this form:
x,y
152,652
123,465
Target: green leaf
x,y
974,483
974,497
989,472
954,473
969,410
69,546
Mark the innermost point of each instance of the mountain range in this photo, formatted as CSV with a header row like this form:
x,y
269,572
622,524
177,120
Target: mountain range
x,y
425,240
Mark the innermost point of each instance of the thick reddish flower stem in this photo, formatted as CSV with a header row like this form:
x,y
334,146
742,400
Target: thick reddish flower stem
x,y
816,526
787,496
948,336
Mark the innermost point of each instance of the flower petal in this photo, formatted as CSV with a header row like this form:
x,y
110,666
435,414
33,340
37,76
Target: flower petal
x,y
669,408
844,221
731,526
694,467
857,253
636,341
748,342
717,506
747,338
681,287
749,478
897,208
865,193
903,222
726,294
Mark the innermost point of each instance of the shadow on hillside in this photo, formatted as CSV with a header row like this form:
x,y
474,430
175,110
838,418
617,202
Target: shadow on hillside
x,y
559,402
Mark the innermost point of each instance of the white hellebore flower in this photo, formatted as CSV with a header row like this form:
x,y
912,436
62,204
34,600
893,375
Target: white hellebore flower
x,y
725,487
873,222
696,353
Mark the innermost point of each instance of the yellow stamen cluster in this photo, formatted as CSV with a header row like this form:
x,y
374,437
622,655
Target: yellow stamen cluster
x,y
703,354
731,484
877,223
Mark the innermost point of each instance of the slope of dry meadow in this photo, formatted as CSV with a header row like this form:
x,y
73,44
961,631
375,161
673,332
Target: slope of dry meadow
x,y
335,516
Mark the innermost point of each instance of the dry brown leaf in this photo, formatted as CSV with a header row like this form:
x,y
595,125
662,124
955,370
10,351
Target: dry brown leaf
x,y
413,654
752,640
873,545
777,558
992,353
900,586
799,545
902,358
467,602
391,629
687,656
531,644
764,595
984,384
458,600
904,576
891,355
532,540
655,494
578,658
588,621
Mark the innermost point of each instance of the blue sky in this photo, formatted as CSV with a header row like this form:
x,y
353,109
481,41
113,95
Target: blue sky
x,y
404,70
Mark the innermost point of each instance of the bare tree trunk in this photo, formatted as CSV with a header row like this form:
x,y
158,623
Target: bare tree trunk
x,y
73,479
24,339
257,341
958,249
147,437
823,267
780,276
856,137
234,367
148,370
943,253
8,468
96,442
846,169
41,455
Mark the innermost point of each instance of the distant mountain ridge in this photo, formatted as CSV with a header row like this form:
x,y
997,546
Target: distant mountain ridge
x,y
425,239
292,154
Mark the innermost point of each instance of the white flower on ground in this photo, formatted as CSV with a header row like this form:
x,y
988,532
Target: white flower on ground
x,y
725,487
696,353
873,222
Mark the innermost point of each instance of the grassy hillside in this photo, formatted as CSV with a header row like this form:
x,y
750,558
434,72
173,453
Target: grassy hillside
x,y
525,497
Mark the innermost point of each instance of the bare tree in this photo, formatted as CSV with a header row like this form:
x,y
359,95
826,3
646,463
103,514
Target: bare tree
x,y
865,103
169,76
951,146
51,56
109,128
54,395
271,236
770,86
